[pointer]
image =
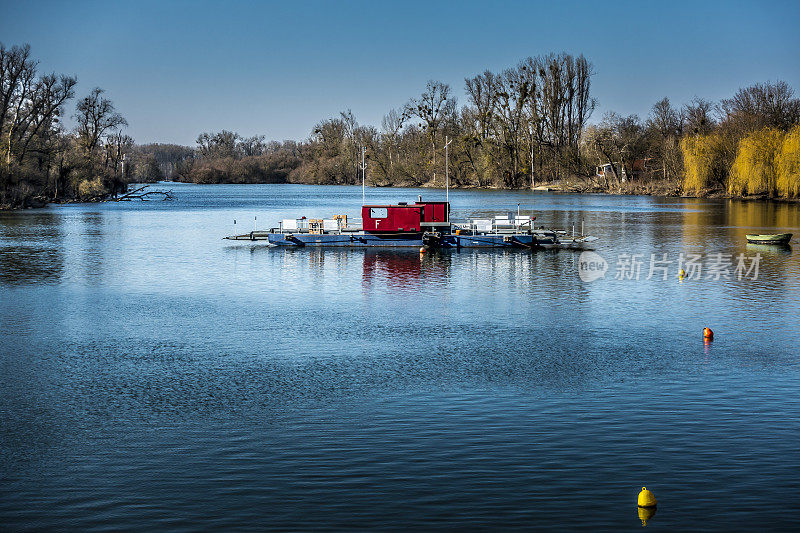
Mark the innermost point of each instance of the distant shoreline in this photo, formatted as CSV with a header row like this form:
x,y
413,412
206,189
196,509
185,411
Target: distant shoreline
x,y
552,188
636,190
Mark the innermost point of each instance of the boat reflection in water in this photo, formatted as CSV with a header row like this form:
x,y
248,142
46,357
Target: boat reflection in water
x,y
403,269
398,271
785,249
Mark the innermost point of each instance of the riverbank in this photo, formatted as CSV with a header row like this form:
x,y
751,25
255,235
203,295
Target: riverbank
x,y
582,186
665,188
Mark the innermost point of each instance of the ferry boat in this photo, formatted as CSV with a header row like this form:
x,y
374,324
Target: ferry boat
x,y
421,224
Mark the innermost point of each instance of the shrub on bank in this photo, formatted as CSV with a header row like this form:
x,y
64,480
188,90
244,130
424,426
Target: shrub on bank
x,y
703,159
754,170
88,189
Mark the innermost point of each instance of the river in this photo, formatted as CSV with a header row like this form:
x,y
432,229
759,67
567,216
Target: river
x,y
155,376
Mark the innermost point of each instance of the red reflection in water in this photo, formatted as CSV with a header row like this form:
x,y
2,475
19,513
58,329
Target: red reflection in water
x,y
401,269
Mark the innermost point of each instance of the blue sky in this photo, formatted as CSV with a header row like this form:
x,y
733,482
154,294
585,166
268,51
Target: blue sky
x,y
175,69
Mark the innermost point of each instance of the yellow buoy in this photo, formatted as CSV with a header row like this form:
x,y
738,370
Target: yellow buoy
x,y
646,498
682,274
422,250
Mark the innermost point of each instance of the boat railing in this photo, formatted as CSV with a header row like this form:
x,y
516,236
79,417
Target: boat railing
x,y
497,225
319,225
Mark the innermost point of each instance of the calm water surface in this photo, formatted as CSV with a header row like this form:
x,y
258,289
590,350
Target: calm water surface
x,y
154,376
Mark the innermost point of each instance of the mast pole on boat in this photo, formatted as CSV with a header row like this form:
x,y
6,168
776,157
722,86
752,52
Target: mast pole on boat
x,y
363,175
447,167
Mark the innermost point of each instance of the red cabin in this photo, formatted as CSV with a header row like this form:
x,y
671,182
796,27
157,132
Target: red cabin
x,y
405,218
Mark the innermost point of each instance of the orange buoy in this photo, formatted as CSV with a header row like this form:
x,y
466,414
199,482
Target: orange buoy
x,y
708,334
422,250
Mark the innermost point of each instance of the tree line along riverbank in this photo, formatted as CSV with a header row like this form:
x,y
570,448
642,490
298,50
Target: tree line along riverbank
x,y
527,126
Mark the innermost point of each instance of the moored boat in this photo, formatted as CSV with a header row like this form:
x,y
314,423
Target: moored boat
x,y
421,224
769,238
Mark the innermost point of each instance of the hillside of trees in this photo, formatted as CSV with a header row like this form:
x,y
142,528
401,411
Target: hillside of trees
x,y
526,126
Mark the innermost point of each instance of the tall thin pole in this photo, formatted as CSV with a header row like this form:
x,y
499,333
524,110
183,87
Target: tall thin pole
x,y
447,167
122,178
533,172
363,175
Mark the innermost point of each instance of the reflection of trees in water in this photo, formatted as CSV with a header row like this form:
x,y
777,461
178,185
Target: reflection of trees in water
x,y
21,265
720,227
763,215
32,249
735,218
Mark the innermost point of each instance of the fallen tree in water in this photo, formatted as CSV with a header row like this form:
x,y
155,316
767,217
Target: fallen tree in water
x,y
144,195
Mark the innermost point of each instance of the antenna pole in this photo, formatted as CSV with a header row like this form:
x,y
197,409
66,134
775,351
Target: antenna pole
x,y
363,175
447,167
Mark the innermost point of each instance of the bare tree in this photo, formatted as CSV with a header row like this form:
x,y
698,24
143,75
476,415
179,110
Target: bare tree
x,y
430,107
95,116
43,109
697,115
30,110
761,105
18,74
17,70
666,124
621,141
391,125
117,147
513,91
222,144
252,146
482,96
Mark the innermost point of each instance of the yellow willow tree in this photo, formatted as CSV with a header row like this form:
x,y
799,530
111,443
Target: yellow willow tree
x,y
703,161
789,164
755,169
